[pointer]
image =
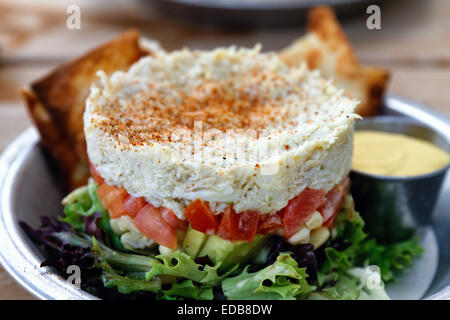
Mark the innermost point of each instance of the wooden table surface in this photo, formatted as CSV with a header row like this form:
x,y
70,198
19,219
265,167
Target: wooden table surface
x,y
414,43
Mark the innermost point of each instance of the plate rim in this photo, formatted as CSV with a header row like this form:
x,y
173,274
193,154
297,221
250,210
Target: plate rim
x,y
10,162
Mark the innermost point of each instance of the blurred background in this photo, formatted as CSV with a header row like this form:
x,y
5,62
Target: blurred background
x,y
413,43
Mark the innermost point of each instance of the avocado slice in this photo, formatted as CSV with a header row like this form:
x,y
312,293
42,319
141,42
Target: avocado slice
x,y
230,253
193,241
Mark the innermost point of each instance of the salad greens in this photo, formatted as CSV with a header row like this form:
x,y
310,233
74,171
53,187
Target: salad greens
x,y
353,247
85,213
334,271
179,264
280,280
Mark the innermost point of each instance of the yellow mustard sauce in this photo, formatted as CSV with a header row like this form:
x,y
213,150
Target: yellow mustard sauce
x,y
392,154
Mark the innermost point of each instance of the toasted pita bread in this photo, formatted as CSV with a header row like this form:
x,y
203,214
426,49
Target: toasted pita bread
x,y
325,47
56,103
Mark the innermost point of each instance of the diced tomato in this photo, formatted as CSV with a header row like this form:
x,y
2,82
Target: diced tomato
x,y
238,226
112,199
300,209
248,224
335,197
133,204
151,224
229,225
172,219
270,222
201,218
103,193
95,174
115,204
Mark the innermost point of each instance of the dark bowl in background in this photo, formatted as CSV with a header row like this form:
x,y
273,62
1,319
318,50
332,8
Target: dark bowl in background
x,y
265,13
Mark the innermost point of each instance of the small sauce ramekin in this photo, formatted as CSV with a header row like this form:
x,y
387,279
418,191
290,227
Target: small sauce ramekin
x,y
392,206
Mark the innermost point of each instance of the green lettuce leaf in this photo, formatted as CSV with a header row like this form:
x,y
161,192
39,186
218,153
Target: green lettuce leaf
x,y
81,202
349,232
187,289
351,285
129,275
122,281
179,264
126,284
392,259
123,261
281,280
362,250
84,202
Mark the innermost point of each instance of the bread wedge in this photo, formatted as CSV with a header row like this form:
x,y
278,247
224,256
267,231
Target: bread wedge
x,y
56,103
325,47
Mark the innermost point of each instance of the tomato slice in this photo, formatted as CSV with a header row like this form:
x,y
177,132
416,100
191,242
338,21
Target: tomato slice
x,y
300,209
229,225
270,222
335,197
201,218
134,204
95,174
248,225
172,219
151,224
